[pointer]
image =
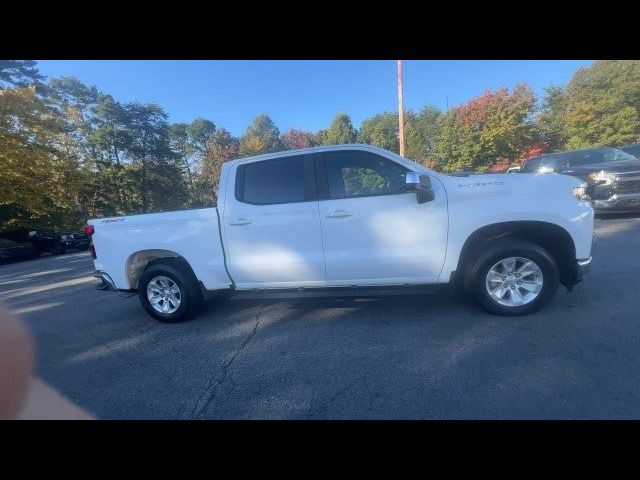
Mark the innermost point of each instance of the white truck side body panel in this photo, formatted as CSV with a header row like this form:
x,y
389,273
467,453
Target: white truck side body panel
x,y
480,200
388,239
192,234
280,245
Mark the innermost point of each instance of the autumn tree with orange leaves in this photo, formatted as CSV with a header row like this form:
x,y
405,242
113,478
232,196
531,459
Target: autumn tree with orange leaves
x,y
489,131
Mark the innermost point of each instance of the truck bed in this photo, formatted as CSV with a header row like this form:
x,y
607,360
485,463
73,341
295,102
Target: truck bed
x,y
191,234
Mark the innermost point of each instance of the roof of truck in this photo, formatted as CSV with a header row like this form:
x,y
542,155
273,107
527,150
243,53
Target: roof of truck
x,y
302,151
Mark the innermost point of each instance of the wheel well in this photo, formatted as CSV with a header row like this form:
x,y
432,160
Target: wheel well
x,y
553,238
137,262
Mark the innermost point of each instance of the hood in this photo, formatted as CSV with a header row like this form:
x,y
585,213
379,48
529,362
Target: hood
x,y
611,167
508,184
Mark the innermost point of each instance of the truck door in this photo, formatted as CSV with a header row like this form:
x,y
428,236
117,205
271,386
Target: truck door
x,y
374,231
272,226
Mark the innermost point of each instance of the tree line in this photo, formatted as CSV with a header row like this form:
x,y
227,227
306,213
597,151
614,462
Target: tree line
x,y
69,152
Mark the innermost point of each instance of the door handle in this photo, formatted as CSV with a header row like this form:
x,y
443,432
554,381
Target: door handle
x,y
339,214
240,221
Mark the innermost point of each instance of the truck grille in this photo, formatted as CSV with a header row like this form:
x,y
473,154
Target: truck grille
x,y
627,182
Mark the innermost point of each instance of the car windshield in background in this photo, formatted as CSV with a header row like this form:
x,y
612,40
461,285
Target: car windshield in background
x,y
632,150
579,158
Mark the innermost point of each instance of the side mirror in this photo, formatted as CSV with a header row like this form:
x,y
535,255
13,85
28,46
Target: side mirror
x,y
421,184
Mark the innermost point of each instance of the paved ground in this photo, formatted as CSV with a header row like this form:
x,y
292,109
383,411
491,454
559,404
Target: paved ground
x,y
396,357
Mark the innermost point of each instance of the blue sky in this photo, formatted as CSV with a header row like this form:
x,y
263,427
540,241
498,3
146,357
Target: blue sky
x,y
302,94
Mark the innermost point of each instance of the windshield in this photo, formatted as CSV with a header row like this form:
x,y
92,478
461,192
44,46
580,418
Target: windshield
x,y
600,155
633,150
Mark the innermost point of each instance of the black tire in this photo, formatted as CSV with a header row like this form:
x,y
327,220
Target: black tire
x,y
58,249
190,294
475,277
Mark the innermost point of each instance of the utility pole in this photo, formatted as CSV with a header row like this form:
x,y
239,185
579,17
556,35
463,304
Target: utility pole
x,y
400,109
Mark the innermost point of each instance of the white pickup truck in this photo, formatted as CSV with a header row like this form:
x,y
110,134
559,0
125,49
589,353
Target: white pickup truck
x,y
353,217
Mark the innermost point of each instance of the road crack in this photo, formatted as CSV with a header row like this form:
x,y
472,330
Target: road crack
x,y
209,394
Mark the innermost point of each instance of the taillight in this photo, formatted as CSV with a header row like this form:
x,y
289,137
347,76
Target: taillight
x,y
89,231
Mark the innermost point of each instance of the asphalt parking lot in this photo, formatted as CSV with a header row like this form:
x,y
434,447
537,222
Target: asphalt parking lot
x,y
399,357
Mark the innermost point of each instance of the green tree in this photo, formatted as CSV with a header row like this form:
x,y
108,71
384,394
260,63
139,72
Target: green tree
x,y
111,191
340,131
319,137
262,136
20,73
552,117
74,103
110,134
154,166
380,130
452,147
189,143
199,131
180,146
221,147
421,132
39,182
603,104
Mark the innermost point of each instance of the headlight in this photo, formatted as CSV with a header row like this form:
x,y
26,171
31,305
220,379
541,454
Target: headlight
x,y
600,178
580,192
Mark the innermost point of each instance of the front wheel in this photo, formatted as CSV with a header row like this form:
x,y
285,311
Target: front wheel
x,y
514,277
168,293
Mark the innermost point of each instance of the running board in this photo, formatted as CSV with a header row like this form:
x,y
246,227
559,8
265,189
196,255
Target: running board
x,y
333,292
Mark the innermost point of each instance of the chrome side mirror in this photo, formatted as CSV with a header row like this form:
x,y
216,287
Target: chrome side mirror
x,y
421,184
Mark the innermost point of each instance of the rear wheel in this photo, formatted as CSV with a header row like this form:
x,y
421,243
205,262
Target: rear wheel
x,y
513,277
169,292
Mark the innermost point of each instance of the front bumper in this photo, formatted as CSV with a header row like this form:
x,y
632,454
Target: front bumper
x,y
618,202
583,265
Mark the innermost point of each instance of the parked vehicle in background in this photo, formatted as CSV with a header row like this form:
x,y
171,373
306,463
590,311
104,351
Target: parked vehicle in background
x,y
633,149
75,241
44,241
353,217
612,176
10,250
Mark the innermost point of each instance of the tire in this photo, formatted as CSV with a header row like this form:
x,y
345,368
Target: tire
x,y
58,249
180,278
538,279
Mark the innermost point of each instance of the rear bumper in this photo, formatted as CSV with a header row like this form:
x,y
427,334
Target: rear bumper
x,y
106,280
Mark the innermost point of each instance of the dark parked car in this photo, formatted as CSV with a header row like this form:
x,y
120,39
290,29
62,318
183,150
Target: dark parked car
x,y
612,176
75,241
44,241
633,149
10,250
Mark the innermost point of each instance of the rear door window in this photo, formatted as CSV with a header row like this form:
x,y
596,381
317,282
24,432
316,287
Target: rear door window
x,y
282,180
